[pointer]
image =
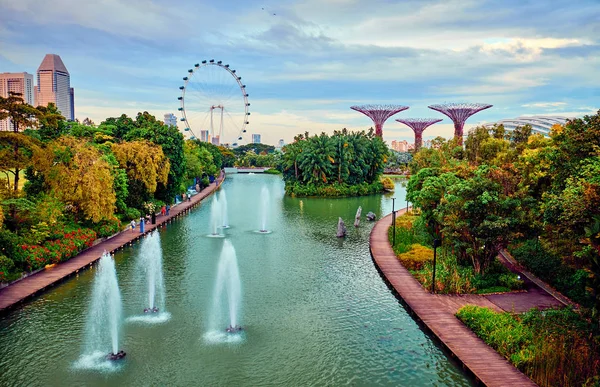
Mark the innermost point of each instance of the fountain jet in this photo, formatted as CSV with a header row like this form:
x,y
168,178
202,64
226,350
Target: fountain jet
x,y
223,199
216,219
149,265
104,316
228,282
264,209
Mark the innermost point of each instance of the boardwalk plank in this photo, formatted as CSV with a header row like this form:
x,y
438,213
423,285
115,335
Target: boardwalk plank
x,y
437,313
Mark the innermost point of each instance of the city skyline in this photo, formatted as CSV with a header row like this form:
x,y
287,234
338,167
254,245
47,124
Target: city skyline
x,y
305,66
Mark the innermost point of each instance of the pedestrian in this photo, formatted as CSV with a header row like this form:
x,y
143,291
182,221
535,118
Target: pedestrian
x,y
168,208
189,198
163,211
132,224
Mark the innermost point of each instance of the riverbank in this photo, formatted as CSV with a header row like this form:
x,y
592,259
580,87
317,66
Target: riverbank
x,y
21,290
485,364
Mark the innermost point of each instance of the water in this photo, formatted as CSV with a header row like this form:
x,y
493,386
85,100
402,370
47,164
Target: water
x,y
314,310
264,209
150,282
223,200
104,315
228,291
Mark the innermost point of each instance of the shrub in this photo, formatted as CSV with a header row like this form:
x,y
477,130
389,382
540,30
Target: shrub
x,y
272,171
416,257
107,228
296,189
7,269
388,184
132,214
551,268
552,347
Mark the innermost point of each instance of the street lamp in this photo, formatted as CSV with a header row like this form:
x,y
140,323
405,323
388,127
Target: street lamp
x,y
436,243
394,222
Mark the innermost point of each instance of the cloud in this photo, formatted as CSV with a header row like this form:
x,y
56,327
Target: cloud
x,y
545,104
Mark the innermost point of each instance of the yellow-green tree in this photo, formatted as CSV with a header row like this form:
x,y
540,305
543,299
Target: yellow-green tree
x,y
143,161
77,175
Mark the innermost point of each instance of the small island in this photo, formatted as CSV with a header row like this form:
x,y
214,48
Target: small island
x,y
343,164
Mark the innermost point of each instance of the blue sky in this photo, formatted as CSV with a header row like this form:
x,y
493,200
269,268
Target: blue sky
x,y
307,64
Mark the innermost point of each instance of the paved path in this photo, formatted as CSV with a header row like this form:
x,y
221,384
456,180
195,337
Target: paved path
x,y
22,290
436,313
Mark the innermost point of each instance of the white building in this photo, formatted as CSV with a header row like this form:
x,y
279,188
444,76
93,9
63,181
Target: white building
x,y
539,124
20,83
256,138
54,85
170,119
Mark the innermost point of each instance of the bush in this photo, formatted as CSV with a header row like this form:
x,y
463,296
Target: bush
x,y
551,268
107,228
272,171
7,269
132,214
388,184
552,347
416,257
296,189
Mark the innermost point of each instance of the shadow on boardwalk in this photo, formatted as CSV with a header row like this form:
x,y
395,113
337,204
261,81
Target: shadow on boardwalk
x,y
436,313
22,290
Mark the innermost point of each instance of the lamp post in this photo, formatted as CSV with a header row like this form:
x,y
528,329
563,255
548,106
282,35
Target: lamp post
x,y
436,243
394,222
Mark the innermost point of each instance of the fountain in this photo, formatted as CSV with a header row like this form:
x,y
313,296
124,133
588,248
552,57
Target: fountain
x,y
216,220
104,316
223,199
149,265
228,280
264,209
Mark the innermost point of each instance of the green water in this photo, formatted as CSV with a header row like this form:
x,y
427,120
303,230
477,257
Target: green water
x,y
314,308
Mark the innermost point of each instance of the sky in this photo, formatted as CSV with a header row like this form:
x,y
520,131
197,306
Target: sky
x,y
305,62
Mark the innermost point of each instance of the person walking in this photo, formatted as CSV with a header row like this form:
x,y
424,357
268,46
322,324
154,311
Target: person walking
x,y
168,208
163,211
132,224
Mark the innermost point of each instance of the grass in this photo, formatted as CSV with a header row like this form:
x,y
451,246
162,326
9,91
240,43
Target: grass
x,y
414,249
553,347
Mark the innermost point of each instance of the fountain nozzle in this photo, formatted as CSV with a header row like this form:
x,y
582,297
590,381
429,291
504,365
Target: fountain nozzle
x,y
116,356
236,329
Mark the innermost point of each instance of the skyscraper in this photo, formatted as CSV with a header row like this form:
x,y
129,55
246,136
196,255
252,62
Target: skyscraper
x,y
256,138
170,119
204,135
20,83
54,85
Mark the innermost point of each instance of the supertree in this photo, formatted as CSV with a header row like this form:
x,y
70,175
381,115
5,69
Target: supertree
x,y
379,114
459,113
418,125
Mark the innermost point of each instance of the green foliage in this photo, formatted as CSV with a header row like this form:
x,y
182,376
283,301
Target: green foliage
x,y
7,267
332,190
255,148
550,268
132,214
344,164
552,347
272,171
388,184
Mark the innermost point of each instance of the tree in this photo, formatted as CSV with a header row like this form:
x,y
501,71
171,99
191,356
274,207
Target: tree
x,y
77,175
143,161
199,161
477,218
21,116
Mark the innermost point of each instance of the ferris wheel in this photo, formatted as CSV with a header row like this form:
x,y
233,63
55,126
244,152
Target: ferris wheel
x,y
214,104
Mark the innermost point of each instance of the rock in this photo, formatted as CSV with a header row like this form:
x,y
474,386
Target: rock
x,y
341,231
357,217
371,216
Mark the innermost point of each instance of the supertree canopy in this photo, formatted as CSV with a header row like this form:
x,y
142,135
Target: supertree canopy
x,y
379,114
418,125
459,113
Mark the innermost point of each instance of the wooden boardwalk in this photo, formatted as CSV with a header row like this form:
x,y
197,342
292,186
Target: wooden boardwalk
x,y
436,313
22,290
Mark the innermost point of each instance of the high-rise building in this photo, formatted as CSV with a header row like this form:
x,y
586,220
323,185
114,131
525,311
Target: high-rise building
x,y
54,85
170,119
215,140
72,97
204,135
281,143
256,138
19,83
